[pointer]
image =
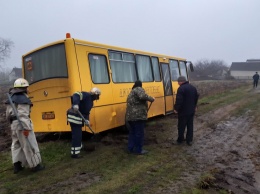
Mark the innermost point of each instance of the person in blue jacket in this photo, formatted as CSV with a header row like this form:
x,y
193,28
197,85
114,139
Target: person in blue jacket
x,y
82,102
185,106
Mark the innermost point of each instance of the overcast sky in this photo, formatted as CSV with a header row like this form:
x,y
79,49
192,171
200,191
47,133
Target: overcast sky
x,y
227,30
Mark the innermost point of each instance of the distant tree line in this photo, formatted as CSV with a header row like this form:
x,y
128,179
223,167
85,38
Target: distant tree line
x,y
210,70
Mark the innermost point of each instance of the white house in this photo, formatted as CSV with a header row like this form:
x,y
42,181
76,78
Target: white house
x,y
245,70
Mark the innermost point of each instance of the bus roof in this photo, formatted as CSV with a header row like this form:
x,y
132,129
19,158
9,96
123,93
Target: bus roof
x,y
109,47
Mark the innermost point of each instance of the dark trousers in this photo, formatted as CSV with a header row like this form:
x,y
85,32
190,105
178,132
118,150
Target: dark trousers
x,y
136,136
255,83
76,133
183,122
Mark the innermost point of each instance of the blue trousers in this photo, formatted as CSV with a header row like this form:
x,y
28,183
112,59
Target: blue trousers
x,y
76,133
183,122
136,136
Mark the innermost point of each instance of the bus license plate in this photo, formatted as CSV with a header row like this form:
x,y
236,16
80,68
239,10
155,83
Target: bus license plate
x,y
48,115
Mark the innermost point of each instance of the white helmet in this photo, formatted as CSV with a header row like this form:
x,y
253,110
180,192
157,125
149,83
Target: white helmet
x,y
21,83
95,91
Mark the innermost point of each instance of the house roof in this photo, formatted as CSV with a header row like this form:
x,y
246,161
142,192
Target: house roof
x,y
253,60
245,66
17,71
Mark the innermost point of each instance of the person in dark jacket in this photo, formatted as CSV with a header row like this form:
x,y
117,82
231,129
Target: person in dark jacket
x,y
136,115
82,102
255,78
185,106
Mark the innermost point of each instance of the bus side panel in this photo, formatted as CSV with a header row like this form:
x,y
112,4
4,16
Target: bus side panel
x,y
157,107
85,75
169,103
121,92
111,116
117,114
155,89
175,87
102,115
120,110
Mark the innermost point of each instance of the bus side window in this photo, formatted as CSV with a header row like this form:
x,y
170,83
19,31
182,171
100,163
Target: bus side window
x,y
98,68
175,73
144,68
122,67
156,70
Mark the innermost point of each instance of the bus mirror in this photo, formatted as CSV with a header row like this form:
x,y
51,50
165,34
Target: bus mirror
x,y
191,66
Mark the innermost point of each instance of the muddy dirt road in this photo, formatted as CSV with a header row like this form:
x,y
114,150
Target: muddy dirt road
x,y
230,149
226,146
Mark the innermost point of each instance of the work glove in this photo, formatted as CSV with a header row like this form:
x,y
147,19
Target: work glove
x,y
87,122
26,132
75,107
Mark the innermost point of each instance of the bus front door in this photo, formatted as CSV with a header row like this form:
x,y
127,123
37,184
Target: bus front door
x,y
168,94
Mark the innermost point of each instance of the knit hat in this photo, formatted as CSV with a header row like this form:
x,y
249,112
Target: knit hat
x,y
138,83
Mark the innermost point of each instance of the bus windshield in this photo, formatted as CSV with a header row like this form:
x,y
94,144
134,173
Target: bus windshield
x,y
49,62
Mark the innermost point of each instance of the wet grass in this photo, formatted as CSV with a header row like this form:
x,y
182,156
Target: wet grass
x,y
210,103
118,170
251,103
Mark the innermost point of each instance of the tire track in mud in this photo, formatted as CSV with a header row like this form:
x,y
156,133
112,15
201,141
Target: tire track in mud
x,y
227,149
230,149
74,184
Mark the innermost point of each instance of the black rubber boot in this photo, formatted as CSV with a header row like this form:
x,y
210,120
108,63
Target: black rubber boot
x,y
38,168
76,156
17,167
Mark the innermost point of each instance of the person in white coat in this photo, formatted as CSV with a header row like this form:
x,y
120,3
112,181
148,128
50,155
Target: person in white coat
x,y
24,148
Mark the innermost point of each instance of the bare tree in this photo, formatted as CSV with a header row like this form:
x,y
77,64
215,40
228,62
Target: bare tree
x,y
4,74
5,48
206,69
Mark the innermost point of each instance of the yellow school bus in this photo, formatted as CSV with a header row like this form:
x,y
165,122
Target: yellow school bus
x,y
57,70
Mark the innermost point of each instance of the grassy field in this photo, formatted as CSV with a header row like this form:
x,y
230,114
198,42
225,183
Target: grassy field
x,y
109,169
